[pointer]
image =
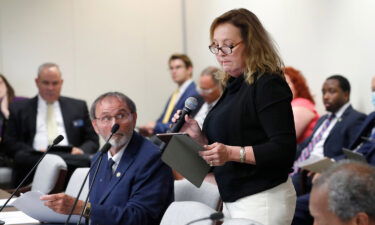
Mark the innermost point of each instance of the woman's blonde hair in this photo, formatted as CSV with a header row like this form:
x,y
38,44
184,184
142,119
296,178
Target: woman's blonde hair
x,y
260,54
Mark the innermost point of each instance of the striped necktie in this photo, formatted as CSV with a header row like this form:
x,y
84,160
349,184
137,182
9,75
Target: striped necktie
x,y
306,152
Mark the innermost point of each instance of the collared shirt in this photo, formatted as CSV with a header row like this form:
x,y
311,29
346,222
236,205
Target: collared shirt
x,y
117,157
183,88
203,111
41,134
318,150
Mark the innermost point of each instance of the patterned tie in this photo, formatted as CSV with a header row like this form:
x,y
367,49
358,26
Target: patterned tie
x,y
305,154
170,107
51,123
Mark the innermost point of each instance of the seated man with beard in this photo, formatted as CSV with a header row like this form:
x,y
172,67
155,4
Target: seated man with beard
x,y
133,185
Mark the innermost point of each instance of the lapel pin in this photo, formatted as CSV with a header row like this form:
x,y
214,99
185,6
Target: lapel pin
x,y
118,174
339,120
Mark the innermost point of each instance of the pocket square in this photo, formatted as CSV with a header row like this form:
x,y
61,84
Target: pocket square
x,y
78,123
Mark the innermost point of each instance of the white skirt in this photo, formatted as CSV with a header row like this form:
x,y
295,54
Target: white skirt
x,y
274,206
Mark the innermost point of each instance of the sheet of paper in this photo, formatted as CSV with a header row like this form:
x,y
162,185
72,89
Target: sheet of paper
x,y
316,165
30,204
16,217
10,203
182,155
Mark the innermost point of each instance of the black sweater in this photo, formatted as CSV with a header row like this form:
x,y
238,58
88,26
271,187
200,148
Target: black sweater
x,y
257,115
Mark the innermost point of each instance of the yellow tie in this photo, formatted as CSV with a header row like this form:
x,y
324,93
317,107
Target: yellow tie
x,y
170,107
51,124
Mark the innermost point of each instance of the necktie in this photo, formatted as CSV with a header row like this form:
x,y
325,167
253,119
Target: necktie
x,y
171,104
51,123
305,154
109,171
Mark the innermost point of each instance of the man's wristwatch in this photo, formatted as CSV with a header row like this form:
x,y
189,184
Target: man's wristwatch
x,y
87,210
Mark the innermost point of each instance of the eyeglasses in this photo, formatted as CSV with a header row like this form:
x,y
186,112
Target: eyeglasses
x,y
224,49
205,91
119,117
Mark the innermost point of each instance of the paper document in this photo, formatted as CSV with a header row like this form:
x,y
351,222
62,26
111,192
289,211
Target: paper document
x,y
182,155
10,203
16,217
316,165
30,204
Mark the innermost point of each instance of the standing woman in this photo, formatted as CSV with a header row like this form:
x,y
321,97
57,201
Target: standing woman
x,y
249,136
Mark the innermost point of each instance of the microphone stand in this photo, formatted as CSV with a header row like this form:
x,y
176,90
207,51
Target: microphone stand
x,y
57,140
104,149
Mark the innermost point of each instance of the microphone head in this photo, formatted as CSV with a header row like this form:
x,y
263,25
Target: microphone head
x,y
115,128
58,139
217,216
191,103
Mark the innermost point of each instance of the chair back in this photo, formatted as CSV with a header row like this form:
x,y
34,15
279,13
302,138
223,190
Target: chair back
x,y
75,183
50,175
181,213
207,194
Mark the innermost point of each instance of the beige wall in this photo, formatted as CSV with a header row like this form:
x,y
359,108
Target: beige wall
x,y
101,45
124,45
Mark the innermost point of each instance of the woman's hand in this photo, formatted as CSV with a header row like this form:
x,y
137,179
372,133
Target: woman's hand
x,y
216,154
190,127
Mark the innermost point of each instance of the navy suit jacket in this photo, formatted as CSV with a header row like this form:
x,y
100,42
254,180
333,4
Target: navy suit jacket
x,y
190,91
21,128
140,190
364,131
340,135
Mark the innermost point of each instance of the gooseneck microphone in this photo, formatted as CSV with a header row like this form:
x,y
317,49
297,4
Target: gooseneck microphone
x,y
57,140
102,151
191,104
214,217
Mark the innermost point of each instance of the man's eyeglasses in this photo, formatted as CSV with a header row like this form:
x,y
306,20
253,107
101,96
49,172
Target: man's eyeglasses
x,y
119,117
225,48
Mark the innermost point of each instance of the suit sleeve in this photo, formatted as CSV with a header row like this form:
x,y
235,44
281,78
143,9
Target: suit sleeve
x,y
152,190
273,105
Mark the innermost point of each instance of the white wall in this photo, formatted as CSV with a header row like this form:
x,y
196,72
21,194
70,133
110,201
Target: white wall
x,y
124,45
318,37
101,45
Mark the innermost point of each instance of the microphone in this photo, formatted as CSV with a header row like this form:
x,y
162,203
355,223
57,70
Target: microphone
x,y
57,140
190,105
102,151
214,216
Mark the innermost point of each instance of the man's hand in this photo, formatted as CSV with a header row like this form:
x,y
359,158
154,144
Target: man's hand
x,y
77,151
147,130
62,203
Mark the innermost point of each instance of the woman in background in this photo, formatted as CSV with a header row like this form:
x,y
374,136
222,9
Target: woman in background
x,y
303,105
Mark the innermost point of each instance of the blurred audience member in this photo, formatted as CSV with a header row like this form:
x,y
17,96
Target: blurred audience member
x,y
181,69
344,195
210,89
35,123
7,96
303,105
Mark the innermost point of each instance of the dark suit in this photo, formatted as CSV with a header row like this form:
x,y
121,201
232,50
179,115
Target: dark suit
x,y
140,190
21,129
365,131
190,91
302,215
341,134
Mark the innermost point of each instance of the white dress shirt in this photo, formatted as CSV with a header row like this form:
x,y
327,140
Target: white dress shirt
x,y
41,134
